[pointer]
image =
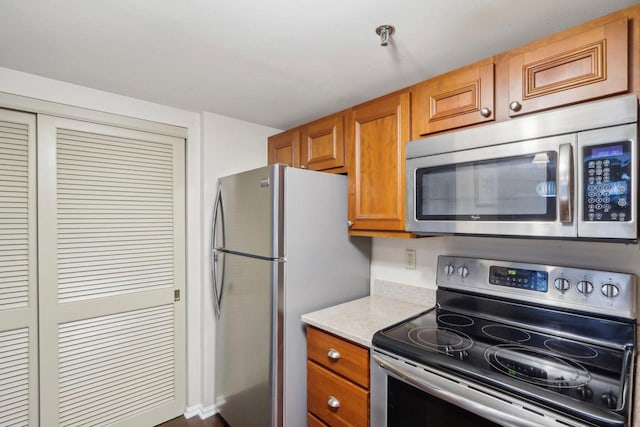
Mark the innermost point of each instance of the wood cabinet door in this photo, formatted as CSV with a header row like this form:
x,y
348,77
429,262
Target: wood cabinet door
x,y
284,148
590,65
322,144
460,98
377,133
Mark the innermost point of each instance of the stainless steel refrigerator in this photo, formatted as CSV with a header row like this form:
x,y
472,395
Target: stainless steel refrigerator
x,y
279,249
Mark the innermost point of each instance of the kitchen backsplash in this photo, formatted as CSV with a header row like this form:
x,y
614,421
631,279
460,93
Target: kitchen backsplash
x,y
388,255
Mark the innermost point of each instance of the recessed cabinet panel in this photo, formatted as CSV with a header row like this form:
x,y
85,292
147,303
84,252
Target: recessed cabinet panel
x,y
459,98
322,144
284,148
590,65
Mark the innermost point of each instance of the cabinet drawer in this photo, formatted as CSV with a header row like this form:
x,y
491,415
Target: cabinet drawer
x,y
325,387
342,357
313,421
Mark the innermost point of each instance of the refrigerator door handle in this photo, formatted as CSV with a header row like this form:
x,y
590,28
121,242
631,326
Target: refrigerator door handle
x,y
217,209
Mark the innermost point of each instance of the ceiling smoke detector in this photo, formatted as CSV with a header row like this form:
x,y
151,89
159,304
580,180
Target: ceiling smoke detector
x,y
385,31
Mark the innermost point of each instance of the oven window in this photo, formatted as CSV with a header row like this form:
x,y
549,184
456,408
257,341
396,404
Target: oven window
x,y
513,188
409,407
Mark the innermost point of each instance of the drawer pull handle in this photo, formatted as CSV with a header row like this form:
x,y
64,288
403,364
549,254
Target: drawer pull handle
x,y
333,354
333,402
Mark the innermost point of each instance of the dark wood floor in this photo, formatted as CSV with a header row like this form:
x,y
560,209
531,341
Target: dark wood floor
x,y
214,421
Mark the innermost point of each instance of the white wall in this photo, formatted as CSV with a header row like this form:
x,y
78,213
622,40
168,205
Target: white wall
x,y
230,146
387,258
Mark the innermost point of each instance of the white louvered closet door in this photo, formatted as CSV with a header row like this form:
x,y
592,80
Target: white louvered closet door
x,y
111,255
18,271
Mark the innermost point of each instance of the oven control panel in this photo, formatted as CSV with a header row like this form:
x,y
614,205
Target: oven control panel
x,y
532,280
591,291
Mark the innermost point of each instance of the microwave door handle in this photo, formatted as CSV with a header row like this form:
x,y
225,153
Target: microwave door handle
x,y
565,182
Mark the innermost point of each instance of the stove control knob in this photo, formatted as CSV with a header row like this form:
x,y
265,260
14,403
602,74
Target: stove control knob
x,y
610,290
449,269
562,284
463,355
610,400
584,392
585,287
463,271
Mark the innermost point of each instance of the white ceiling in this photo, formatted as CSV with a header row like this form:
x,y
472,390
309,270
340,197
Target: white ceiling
x,y
278,63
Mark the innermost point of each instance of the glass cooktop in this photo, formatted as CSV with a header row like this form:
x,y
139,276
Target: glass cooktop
x,y
544,355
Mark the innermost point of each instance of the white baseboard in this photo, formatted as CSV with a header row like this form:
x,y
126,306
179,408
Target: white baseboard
x,y
201,411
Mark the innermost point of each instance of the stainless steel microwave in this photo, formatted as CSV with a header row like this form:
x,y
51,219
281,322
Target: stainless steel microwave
x,y
570,173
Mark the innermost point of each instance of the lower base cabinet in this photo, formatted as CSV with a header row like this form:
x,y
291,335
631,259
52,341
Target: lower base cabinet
x,y
337,381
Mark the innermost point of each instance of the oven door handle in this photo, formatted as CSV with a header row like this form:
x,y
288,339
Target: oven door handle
x,y
473,400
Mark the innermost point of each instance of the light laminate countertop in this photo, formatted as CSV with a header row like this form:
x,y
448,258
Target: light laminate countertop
x,y
359,319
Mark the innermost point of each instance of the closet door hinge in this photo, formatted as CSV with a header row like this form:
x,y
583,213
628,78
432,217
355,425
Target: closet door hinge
x,y
176,295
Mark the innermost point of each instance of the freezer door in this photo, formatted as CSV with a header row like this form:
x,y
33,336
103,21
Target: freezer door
x,y
245,365
251,205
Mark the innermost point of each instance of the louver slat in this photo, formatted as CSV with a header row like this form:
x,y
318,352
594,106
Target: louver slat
x,y
14,377
113,366
14,215
113,193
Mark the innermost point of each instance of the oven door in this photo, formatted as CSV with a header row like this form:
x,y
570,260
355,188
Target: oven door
x,y
523,188
407,395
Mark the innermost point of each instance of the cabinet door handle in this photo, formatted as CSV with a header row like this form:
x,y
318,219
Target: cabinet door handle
x,y
333,354
349,223
515,106
485,112
333,402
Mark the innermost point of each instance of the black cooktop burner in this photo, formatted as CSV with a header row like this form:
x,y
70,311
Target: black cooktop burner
x,y
440,339
450,319
506,333
570,348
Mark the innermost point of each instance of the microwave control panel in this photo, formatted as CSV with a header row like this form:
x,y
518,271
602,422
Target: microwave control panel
x,y
607,182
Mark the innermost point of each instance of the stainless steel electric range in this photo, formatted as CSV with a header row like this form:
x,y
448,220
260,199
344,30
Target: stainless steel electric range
x,y
510,344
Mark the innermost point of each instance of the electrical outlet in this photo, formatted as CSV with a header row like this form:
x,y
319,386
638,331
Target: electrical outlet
x,y
410,259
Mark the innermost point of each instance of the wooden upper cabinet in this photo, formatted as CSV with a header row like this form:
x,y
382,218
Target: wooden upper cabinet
x,y
376,135
322,143
589,65
284,148
459,98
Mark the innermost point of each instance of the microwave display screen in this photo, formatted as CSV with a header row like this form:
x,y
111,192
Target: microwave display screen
x,y
512,188
607,151
607,182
